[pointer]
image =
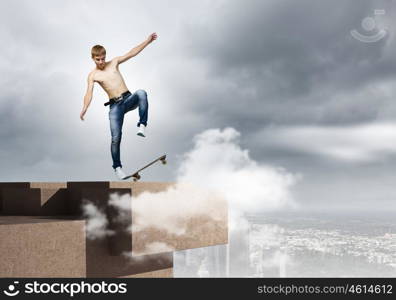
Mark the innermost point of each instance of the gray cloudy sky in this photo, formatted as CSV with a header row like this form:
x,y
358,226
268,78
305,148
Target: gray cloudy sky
x,y
288,75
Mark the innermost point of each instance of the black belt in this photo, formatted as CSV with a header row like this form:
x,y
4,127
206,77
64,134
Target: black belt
x,y
116,99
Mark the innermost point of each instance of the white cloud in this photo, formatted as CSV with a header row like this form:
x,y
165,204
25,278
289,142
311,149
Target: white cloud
x,y
169,210
217,162
96,225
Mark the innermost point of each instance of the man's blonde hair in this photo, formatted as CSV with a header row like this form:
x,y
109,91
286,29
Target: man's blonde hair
x,y
98,50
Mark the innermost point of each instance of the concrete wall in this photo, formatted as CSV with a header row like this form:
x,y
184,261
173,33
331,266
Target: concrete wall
x,y
44,233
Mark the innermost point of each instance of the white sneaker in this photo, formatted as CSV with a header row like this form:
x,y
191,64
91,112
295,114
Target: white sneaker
x,y
141,130
120,173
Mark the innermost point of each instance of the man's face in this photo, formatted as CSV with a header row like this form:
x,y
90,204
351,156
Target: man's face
x,y
100,61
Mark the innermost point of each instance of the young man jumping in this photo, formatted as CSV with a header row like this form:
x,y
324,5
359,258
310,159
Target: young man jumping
x,y
121,100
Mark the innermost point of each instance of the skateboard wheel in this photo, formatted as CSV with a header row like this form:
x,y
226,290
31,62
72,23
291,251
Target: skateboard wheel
x,y
135,179
136,176
163,162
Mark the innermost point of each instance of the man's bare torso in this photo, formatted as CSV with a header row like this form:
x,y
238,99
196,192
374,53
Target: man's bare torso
x,y
110,79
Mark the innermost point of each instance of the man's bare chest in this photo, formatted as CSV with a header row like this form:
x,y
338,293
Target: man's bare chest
x,y
107,75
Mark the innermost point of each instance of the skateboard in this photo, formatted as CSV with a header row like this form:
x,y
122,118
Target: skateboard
x,y
136,175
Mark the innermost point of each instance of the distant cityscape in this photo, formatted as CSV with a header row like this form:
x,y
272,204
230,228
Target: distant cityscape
x,y
299,246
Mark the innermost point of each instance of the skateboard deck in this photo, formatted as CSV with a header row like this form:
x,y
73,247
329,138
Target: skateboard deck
x,y
136,176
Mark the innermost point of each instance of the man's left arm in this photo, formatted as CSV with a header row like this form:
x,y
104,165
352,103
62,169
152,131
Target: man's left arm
x,y
133,52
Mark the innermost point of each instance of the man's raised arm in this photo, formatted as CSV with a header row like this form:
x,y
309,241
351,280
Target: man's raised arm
x,y
137,49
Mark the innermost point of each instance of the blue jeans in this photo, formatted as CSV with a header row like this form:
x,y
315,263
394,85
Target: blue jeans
x,y
116,115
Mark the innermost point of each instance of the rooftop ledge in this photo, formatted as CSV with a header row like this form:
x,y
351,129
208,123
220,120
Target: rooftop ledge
x,y
45,230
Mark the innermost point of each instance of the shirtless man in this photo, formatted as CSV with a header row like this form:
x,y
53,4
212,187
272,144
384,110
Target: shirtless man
x,y
121,100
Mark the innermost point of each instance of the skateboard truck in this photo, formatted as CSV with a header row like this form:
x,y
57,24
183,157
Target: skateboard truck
x,y
136,177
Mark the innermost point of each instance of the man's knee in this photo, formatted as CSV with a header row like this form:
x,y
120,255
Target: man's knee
x,y
141,93
116,139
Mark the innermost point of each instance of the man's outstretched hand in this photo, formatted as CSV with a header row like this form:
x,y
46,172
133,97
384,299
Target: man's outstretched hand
x,y
82,114
152,37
